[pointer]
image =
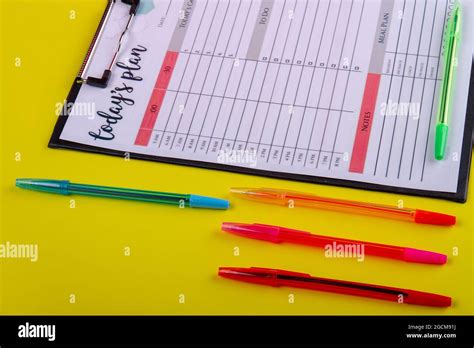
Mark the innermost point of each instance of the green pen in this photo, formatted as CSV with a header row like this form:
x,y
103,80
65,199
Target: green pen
x,y
65,187
451,43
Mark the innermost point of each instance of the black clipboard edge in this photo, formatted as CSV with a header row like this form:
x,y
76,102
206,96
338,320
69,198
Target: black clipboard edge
x,y
460,196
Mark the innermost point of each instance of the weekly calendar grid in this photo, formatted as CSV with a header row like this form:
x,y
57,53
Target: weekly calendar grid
x,y
329,88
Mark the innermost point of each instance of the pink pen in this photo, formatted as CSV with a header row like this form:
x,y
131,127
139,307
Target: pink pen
x,y
277,234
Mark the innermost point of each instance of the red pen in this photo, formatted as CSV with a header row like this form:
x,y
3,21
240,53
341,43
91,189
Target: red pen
x,y
275,277
278,234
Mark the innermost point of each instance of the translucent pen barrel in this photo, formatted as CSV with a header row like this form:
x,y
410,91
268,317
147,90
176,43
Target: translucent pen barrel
x,y
375,249
297,199
347,206
130,194
378,210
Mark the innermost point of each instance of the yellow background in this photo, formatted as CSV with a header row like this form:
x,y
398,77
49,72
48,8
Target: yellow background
x,y
173,251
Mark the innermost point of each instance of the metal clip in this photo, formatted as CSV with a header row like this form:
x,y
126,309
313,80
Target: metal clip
x,y
103,81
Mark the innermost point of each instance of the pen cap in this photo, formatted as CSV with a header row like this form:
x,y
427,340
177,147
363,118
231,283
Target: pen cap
x,y
196,201
422,256
432,218
442,131
427,299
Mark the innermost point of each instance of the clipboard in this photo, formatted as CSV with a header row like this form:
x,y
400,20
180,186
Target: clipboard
x,y
102,81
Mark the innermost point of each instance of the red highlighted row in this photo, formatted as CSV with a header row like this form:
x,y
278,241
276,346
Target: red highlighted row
x,y
157,98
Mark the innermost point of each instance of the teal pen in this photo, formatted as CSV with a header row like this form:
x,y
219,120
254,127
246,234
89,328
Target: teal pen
x,y
65,187
451,45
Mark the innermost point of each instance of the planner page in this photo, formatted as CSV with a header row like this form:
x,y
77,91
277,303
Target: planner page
x,y
343,89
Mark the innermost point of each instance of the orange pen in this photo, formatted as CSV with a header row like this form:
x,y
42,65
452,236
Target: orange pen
x,y
297,199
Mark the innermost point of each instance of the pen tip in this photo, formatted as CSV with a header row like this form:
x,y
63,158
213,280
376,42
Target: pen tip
x,y
228,227
23,183
226,271
239,190
222,270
